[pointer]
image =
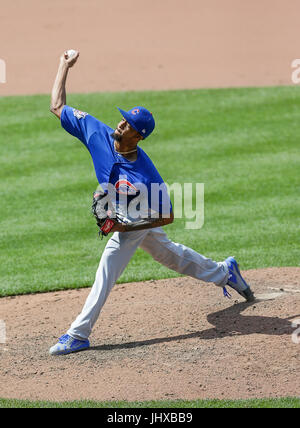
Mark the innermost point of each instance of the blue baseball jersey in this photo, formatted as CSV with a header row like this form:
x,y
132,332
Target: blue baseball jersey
x,y
137,180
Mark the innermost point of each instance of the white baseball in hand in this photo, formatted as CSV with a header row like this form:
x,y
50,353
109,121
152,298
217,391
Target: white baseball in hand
x,y
71,53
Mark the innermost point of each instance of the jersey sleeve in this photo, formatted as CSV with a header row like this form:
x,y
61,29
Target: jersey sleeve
x,y
95,135
79,124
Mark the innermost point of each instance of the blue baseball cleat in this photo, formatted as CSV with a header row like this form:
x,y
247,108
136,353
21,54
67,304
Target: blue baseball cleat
x,y
67,344
237,282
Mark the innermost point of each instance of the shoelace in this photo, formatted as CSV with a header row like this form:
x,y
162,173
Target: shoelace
x,y
226,293
64,339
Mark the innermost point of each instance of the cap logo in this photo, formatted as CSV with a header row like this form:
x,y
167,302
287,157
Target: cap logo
x,y
135,111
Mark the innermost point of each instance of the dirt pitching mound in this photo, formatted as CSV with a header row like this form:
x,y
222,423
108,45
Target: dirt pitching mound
x,y
167,339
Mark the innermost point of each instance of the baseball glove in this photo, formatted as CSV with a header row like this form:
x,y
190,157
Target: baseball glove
x,y
104,213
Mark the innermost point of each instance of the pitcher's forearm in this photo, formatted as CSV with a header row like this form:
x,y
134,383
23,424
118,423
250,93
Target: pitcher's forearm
x,y
143,224
146,224
58,96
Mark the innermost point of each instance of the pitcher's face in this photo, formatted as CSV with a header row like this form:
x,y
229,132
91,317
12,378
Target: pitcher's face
x,y
125,133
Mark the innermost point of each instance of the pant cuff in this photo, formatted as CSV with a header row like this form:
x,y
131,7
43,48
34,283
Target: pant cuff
x,y
224,268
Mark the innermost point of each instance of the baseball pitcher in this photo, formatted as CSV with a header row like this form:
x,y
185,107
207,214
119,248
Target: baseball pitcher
x,y
127,207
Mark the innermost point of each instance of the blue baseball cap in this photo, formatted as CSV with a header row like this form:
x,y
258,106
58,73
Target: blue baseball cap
x,y
140,119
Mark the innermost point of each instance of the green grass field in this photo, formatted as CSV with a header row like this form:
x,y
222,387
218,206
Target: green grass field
x,y
243,144
291,402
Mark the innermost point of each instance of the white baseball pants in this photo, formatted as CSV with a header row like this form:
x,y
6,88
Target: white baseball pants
x,y
116,256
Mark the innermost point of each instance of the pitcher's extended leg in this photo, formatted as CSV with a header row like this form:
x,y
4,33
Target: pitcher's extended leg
x,y
182,259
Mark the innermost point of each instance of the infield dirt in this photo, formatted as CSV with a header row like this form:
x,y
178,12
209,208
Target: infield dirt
x,y
167,339
138,45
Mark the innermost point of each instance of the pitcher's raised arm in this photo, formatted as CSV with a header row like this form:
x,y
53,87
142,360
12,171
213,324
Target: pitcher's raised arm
x,y
58,95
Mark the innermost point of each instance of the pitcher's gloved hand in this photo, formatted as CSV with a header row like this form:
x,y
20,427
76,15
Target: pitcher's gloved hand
x,y
107,219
